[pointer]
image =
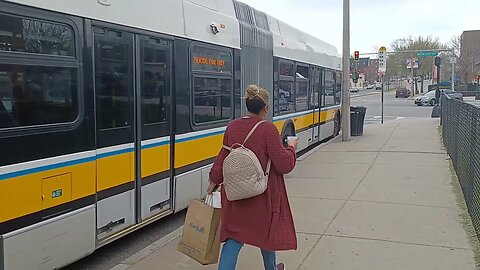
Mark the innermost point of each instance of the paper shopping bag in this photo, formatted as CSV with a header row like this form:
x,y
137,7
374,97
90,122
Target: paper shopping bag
x,y
200,240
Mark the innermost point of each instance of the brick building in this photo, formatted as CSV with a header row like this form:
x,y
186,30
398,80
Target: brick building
x,y
367,69
372,71
469,55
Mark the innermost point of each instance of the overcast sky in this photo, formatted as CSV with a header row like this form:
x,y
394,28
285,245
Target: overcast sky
x,y
376,23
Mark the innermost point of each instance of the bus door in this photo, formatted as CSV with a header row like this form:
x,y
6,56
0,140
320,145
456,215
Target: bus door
x,y
315,102
132,90
154,192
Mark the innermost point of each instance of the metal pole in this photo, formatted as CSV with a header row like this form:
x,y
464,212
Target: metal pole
x,y
411,67
422,80
437,94
346,72
382,99
453,73
407,51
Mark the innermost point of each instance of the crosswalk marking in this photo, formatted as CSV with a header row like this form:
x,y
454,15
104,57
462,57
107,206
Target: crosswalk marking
x,y
377,119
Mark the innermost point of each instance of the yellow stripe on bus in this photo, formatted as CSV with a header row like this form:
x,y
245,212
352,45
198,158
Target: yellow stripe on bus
x,y
22,195
155,160
190,152
115,170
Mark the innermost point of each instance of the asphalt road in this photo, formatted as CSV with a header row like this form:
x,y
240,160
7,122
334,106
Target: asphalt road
x,y
394,108
116,252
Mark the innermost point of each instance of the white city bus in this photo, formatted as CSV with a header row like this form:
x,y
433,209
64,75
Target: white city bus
x,y
112,111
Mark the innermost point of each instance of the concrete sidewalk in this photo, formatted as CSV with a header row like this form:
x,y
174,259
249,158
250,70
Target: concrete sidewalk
x,y
381,201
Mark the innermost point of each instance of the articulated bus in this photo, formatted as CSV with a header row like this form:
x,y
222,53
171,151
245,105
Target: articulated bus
x,y
112,111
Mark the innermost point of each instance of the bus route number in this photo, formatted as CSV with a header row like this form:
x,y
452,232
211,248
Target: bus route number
x,y
208,61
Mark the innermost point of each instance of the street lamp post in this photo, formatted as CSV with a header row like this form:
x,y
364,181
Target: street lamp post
x,y
346,72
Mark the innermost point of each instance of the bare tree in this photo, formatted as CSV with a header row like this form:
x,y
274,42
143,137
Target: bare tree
x,y
396,63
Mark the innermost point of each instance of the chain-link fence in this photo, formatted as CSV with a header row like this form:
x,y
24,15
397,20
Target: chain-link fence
x,y
461,136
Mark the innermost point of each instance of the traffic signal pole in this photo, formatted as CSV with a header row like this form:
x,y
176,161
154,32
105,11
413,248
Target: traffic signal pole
x,y
345,109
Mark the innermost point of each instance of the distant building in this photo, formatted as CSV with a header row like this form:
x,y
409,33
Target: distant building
x,y
367,68
469,55
372,71
361,66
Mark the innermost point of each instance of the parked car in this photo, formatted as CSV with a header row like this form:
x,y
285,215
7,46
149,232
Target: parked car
x,y
283,94
402,92
354,90
453,94
427,99
430,99
370,86
378,86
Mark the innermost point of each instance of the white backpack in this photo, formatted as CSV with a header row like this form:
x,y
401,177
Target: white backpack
x,y
243,175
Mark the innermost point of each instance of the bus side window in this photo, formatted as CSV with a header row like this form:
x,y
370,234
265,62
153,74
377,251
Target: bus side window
x,y
329,93
212,85
35,90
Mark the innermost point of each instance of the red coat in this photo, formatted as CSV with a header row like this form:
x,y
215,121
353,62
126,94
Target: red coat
x,y
264,221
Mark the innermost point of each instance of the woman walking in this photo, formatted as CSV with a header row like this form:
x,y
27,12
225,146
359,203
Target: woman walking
x,y
264,221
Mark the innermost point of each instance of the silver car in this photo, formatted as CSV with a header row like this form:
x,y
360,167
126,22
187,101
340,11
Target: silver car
x,y
427,99
430,99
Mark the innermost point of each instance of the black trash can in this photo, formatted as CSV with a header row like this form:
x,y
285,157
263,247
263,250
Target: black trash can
x,y
357,117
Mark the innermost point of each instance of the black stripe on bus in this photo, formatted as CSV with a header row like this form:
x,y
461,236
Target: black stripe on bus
x,y
326,122
155,178
194,166
115,190
304,129
313,125
30,219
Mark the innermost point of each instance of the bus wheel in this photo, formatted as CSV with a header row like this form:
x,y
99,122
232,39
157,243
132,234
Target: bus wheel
x,y
337,125
288,130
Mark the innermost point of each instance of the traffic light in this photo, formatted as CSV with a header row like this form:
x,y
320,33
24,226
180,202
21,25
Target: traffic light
x,y
438,61
356,55
355,77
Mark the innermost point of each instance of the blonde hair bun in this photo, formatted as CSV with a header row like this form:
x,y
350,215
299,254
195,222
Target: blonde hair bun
x,y
254,91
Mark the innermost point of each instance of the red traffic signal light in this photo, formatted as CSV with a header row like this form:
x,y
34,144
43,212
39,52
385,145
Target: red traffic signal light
x,y
356,55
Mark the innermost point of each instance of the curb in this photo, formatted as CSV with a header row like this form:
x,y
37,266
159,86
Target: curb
x,y
142,254
364,95
318,147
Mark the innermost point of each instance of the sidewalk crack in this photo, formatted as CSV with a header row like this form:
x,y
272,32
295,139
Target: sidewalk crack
x,y
396,242
407,204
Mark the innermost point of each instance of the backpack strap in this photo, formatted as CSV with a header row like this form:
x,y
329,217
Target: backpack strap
x,y
269,164
251,131
246,138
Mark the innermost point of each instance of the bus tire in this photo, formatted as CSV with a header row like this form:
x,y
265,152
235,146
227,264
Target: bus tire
x,y
337,124
288,130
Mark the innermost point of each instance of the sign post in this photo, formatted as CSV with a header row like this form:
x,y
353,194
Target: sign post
x,y
453,60
382,69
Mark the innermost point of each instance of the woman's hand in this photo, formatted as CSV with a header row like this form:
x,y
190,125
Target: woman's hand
x,y
211,188
293,143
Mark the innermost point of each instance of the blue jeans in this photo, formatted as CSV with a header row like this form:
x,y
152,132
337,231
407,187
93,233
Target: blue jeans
x,y
230,251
